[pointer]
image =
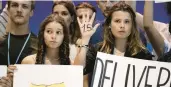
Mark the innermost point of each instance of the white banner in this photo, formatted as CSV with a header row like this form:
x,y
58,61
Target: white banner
x,y
3,70
116,71
48,76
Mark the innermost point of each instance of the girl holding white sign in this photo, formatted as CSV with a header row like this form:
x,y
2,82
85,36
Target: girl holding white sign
x,y
53,45
121,38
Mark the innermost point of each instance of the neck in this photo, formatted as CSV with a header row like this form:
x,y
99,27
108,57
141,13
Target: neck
x,y
52,54
18,29
120,44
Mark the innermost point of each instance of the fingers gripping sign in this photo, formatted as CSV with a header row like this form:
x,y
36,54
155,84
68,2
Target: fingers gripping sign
x,y
86,25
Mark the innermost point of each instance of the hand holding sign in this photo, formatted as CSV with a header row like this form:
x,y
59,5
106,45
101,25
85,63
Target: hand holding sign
x,y
86,25
5,82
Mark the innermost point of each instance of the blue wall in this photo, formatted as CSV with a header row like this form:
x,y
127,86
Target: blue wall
x,y
43,8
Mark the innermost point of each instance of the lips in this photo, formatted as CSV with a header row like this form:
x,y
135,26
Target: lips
x,y
121,31
19,16
53,41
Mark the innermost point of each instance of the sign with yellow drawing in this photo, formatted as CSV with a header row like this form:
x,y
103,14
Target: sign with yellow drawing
x,y
48,76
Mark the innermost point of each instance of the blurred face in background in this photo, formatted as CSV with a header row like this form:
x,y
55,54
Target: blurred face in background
x,y
105,5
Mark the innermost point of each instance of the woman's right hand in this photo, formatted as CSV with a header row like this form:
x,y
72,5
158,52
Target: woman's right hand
x,y
86,25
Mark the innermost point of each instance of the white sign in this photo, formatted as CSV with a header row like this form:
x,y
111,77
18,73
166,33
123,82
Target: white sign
x,y
3,70
116,71
48,76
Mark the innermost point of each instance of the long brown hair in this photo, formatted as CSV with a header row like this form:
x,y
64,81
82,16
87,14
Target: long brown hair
x,y
134,43
64,47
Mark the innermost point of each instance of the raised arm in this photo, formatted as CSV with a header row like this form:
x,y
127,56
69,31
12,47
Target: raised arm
x,y
86,32
153,35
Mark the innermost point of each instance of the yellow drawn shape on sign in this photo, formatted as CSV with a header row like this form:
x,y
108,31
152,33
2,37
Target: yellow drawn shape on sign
x,y
51,85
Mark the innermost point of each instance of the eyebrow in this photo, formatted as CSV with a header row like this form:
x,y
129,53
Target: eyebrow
x,y
57,28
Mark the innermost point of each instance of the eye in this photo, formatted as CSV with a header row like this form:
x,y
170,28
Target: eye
x,y
117,21
14,5
64,13
25,6
58,32
80,17
49,31
127,21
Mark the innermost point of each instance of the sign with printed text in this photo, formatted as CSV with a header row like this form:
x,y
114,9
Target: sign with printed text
x,y
3,70
48,76
117,71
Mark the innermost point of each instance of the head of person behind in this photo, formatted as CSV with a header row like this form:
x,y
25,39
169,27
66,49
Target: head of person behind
x,y
85,8
20,11
66,10
120,25
105,5
53,37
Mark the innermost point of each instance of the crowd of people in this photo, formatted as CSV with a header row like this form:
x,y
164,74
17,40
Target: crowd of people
x,y
64,36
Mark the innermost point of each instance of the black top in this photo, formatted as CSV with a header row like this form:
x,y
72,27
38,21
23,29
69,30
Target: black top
x,y
165,57
16,44
92,52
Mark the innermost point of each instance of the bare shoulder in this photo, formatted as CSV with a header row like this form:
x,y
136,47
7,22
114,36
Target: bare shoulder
x,y
31,59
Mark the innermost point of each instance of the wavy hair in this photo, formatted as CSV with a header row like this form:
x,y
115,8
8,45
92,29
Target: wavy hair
x,y
64,47
134,43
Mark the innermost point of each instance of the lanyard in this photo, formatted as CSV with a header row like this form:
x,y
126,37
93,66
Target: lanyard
x,y
21,49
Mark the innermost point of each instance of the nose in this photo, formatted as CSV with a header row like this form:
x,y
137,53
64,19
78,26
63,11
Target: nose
x,y
53,36
60,15
19,9
122,25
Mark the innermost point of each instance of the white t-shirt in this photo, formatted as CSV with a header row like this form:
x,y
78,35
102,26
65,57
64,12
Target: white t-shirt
x,y
73,52
163,29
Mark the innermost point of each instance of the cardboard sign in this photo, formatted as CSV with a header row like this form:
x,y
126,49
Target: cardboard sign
x,y
116,71
48,76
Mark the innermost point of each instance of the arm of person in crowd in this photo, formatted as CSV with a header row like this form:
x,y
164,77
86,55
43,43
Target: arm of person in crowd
x,y
86,32
8,80
3,22
153,35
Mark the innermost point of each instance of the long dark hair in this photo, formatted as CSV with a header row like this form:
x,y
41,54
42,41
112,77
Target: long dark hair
x,y
64,47
134,43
